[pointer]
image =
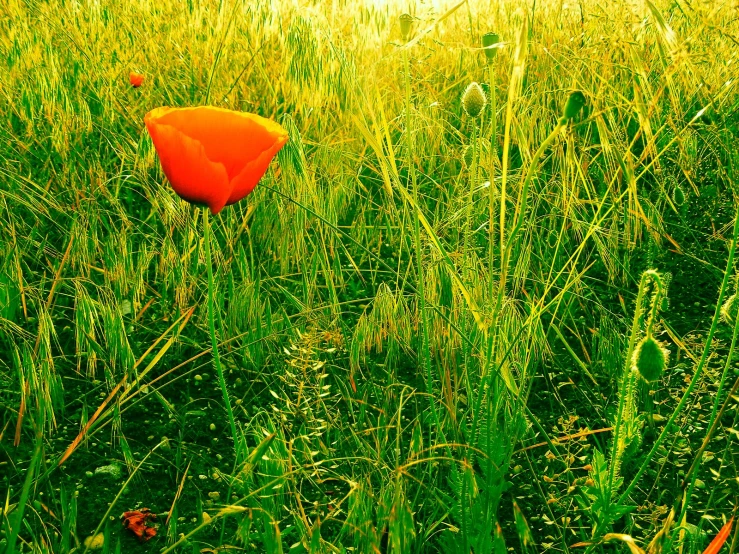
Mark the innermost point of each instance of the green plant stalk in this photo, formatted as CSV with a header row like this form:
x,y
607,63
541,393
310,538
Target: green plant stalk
x,y
468,270
470,194
490,337
698,369
491,176
425,354
624,388
692,474
522,204
25,492
505,249
212,328
711,431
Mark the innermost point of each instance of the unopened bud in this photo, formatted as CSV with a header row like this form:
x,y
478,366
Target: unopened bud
x,y
575,103
406,24
678,195
474,100
650,359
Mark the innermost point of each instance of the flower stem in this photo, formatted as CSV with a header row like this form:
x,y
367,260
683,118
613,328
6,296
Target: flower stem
x,y
212,328
425,354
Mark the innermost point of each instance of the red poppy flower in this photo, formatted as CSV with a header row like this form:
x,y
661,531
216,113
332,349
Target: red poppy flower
x,y
135,79
213,156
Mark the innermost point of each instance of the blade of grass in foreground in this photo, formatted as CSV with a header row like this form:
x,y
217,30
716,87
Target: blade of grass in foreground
x,y
20,508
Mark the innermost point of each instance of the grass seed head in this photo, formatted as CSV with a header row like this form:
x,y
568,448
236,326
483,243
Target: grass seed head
x,y
406,25
488,39
729,309
650,359
474,100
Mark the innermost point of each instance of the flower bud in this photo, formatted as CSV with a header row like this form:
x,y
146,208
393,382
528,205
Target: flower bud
x,y
650,359
488,39
678,195
575,103
474,100
406,23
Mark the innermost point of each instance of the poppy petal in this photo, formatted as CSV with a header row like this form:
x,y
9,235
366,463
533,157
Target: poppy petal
x,y
193,175
231,138
244,182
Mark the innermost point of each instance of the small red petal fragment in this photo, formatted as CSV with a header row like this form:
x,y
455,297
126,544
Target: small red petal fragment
x,y
136,521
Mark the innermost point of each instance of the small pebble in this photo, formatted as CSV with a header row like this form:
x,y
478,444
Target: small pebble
x,y
95,542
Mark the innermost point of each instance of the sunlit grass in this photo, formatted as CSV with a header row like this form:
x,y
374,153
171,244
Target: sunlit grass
x,y
425,320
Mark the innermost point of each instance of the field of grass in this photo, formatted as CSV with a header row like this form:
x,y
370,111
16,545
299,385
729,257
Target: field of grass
x,y
438,330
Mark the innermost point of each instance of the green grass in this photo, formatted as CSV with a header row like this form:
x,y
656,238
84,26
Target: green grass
x,y
426,322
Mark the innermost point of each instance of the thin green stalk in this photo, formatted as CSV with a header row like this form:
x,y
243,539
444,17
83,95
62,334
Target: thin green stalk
x,y
470,194
520,215
468,270
425,354
692,475
698,370
25,492
491,176
506,248
490,330
212,328
713,421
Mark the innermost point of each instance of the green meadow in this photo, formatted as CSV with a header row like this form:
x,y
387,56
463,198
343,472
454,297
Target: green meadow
x,y
451,318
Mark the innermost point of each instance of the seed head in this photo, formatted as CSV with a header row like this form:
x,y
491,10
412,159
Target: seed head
x,y
729,309
650,359
575,103
474,100
406,24
488,39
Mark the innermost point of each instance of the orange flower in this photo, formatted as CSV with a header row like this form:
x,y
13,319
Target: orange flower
x,y
213,156
135,79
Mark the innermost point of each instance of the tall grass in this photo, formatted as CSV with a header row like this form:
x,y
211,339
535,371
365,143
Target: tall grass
x,y
426,320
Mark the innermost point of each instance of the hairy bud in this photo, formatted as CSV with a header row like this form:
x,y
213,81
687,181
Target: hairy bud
x,y
650,359
474,100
